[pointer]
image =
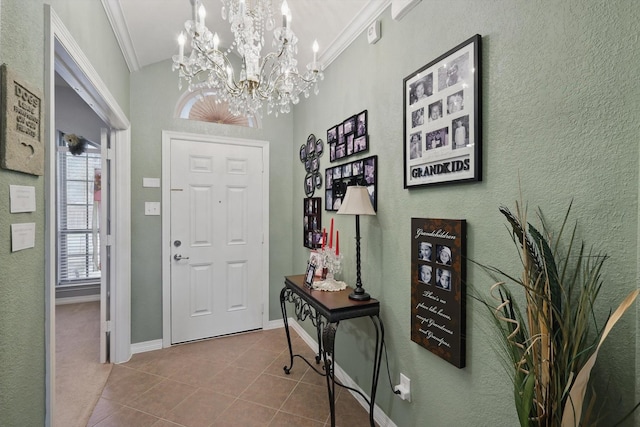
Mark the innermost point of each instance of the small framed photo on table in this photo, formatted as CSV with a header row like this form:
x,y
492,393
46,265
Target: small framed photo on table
x,y
308,277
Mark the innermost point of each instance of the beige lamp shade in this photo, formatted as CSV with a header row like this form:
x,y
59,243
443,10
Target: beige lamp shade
x,y
356,202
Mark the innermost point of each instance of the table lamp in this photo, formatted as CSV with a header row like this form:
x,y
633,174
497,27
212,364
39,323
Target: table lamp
x,y
357,202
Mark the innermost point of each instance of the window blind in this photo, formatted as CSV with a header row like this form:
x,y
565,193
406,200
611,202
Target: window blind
x,y
75,205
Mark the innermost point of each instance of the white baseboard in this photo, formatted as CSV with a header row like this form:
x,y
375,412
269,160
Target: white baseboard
x,y
77,300
379,416
142,347
274,324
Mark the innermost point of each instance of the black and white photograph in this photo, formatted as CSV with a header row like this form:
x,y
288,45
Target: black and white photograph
x,y
318,179
460,132
421,89
360,144
319,147
341,151
315,165
328,177
361,124
435,110
443,279
370,170
332,152
311,145
455,102
350,125
332,135
350,144
443,254
309,186
417,117
424,273
303,153
328,199
357,167
346,170
437,138
424,251
416,145
454,72
452,106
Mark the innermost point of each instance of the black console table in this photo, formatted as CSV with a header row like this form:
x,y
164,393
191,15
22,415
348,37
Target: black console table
x,y
326,310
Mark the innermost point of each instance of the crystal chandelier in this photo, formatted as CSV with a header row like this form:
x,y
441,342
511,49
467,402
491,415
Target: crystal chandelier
x,y
273,80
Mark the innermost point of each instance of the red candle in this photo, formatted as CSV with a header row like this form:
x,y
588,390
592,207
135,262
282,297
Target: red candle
x,y
337,242
331,235
324,237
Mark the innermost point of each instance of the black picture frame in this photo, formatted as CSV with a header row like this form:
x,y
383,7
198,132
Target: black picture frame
x,y
312,222
442,119
358,172
310,273
438,287
349,137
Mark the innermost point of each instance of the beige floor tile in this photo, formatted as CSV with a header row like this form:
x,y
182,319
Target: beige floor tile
x,y
127,384
256,360
234,380
200,409
163,397
283,419
103,409
299,401
269,390
245,414
127,417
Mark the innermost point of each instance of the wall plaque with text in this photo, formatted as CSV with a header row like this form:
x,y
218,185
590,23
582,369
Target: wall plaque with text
x,y
21,127
438,259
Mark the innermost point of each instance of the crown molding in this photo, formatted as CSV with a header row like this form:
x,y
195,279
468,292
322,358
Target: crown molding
x,y
121,31
371,11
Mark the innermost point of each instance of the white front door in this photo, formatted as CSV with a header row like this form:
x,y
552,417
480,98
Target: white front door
x,y
216,239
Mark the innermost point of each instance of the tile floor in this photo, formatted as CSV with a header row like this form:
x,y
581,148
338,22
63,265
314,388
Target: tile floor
x,y
231,381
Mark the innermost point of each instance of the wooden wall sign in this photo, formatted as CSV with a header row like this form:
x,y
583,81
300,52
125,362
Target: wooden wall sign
x,y
21,127
438,260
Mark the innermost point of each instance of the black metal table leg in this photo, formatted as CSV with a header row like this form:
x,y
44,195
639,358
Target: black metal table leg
x,y
377,323
328,349
283,307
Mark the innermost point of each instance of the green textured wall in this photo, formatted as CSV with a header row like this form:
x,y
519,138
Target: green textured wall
x,y
152,112
22,274
560,113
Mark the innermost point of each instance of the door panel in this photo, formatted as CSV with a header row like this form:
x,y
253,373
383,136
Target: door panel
x,y
215,280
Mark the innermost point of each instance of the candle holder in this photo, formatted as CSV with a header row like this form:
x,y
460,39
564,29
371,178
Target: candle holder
x,y
332,262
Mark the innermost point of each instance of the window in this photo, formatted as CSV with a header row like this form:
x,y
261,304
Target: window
x,y
77,232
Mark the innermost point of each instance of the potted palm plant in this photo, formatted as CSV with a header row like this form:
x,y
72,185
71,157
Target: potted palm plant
x,y
545,322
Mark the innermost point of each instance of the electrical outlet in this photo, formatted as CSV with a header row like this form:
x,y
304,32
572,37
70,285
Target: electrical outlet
x,y
404,388
152,208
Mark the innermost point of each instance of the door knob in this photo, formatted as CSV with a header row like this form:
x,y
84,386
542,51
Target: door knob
x,y
179,257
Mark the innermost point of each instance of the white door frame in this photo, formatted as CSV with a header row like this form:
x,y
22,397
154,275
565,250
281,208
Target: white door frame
x,y
167,137
71,61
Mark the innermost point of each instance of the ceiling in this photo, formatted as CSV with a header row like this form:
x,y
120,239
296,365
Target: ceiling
x,y
147,30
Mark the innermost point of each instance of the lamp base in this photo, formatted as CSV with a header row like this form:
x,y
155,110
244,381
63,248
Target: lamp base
x,y
359,295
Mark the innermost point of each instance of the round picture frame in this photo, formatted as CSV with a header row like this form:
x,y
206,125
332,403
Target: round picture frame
x,y
319,147
303,153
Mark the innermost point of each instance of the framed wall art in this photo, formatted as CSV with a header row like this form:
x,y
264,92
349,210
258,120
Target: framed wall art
x,y
438,292
349,137
359,172
312,222
442,119
310,154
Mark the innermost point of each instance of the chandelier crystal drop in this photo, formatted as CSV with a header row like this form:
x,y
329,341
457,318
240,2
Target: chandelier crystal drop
x,y
273,79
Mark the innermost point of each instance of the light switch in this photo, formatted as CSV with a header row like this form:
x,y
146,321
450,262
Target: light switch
x,y
151,182
152,208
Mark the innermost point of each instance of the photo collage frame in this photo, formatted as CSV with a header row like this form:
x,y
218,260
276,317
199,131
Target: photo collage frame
x,y
312,222
359,172
349,137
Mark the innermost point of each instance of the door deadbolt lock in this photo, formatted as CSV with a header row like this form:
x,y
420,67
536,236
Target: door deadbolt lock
x,y
177,243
